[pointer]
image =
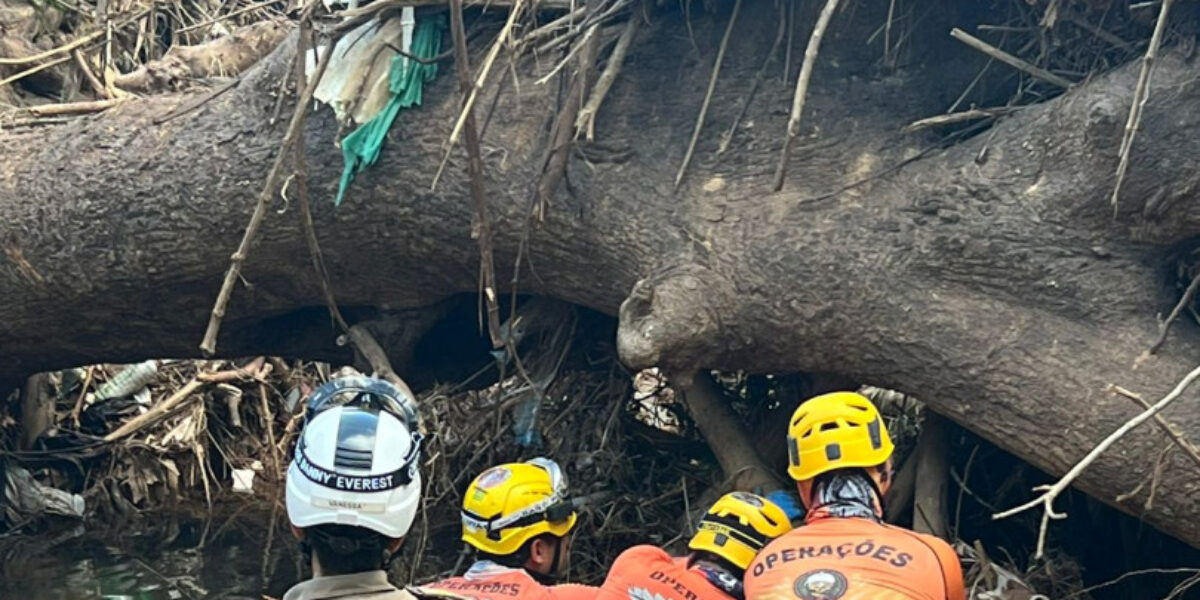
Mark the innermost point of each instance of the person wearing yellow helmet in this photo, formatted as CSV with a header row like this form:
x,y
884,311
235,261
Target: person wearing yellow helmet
x,y
518,518
840,455
737,526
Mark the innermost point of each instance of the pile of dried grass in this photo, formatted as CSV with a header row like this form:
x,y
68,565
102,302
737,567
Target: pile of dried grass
x,y
65,52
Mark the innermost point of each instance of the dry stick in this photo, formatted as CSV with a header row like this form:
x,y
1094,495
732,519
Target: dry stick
x,y
470,103
806,69
269,418
1171,431
484,70
586,120
93,81
1185,301
727,137
887,34
958,117
481,228
240,11
156,411
591,32
1097,31
1140,95
73,108
1009,59
87,380
32,70
554,170
24,60
209,344
1051,15
1050,492
301,177
69,46
552,26
712,85
240,373
791,26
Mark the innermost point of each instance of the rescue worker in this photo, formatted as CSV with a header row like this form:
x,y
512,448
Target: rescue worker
x,y
733,531
353,488
518,518
839,453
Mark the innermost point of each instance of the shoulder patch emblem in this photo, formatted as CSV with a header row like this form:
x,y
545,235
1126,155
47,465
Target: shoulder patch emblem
x,y
821,584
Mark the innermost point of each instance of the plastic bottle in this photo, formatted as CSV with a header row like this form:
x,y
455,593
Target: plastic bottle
x,y
525,417
131,379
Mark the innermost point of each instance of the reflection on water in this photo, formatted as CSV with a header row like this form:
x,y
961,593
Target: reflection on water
x,y
237,553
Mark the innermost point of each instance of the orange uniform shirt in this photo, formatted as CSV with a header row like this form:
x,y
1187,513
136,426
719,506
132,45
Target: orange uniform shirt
x,y
489,581
854,559
649,573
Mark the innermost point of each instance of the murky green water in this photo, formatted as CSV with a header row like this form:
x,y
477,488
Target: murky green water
x,y
236,553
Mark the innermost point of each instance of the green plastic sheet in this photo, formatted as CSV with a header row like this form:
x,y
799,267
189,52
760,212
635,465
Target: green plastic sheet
x,y
406,78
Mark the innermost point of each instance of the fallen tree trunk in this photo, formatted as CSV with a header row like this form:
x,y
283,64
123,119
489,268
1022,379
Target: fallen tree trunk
x,y
990,278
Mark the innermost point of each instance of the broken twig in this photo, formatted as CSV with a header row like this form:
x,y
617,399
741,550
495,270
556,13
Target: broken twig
x,y
586,120
481,223
93,81
712,85
209,344
1050,492
727,137
806,69
958,117
155,412
1184,302
1140,95
73,108
1171,431
1009,59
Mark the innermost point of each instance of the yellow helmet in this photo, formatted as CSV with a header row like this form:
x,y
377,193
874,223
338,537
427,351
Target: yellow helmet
x,y
738,525
836,431
510,504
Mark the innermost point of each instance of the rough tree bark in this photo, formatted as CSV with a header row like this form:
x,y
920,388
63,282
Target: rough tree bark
x,y
989,278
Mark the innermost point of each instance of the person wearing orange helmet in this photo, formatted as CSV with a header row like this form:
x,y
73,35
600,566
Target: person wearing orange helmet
x,y
518,518
737,526
839,453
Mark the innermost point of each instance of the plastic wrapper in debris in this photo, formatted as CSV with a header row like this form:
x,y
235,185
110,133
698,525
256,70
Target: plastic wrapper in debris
x,y
129,380
243,481
525,421
25,497
356,83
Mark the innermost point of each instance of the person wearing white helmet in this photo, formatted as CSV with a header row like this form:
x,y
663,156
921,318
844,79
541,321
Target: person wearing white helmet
x,y
353,487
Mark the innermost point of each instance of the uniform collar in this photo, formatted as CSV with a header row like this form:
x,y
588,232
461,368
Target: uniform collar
x,y
337,586
487,568
721,579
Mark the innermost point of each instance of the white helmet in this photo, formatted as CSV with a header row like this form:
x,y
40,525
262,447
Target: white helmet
x,y
356,460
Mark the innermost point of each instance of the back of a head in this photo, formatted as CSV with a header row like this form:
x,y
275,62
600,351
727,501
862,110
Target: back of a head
x,y
834,431
509,505
737,527
353,485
